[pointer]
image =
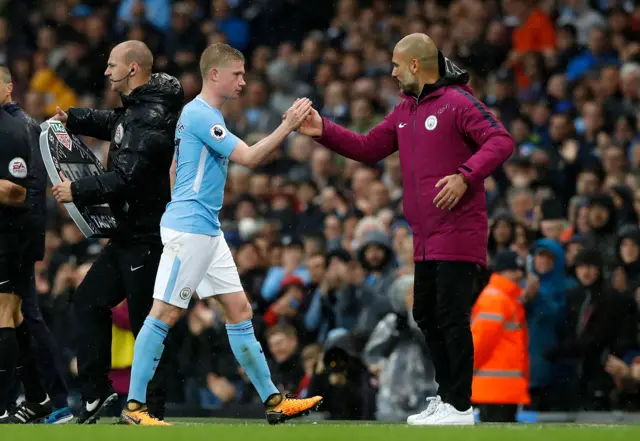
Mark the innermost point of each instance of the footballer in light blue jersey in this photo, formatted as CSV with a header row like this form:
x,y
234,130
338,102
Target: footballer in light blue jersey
x,y
203,147
196,257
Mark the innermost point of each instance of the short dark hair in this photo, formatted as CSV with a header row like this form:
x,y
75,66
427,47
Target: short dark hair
x,y
287,330
5,74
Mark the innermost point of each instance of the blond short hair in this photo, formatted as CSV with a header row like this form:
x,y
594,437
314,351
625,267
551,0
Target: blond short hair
x,y
218,55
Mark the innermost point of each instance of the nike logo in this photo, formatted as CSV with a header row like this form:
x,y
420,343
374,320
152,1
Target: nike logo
x,y
93,405
401,125
156,359
2,283
136,268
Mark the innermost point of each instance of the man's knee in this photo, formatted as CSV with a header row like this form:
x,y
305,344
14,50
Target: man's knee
x,y
9,310
165,312
236,307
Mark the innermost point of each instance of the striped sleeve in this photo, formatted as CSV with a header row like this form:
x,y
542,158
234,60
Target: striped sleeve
x,y
494,145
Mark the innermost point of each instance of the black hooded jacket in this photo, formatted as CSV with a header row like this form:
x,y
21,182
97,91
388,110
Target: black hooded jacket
x,y
631,269
136,184
604,238
599,321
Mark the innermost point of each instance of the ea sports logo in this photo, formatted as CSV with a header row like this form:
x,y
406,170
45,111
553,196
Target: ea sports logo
x,y
18,168
431,122
218,132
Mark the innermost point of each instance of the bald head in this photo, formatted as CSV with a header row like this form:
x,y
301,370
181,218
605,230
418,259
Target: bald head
x,y
134,51
415,63
420,47
129,66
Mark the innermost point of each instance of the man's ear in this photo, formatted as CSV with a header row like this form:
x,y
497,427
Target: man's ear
x,y
415,66
214,73
10,87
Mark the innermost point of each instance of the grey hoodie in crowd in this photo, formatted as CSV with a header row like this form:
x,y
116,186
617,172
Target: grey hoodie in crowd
x,y
362,307
407,376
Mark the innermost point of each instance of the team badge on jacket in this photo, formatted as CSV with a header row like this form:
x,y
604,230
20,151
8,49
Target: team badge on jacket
x,y
431,122
119,134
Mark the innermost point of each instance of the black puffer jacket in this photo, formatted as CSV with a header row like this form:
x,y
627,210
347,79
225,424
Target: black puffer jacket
x,y
141,132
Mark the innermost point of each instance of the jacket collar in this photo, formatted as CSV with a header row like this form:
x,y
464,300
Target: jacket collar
x,y
507,286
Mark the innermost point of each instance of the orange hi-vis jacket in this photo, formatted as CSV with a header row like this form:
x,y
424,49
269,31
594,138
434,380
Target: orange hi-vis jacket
x,y
500,339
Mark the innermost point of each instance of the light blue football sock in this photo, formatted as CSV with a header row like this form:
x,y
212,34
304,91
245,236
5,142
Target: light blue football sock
x,y
146,356
249,354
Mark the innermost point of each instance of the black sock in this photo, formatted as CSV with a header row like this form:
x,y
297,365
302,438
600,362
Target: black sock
x,y
27,369
8,360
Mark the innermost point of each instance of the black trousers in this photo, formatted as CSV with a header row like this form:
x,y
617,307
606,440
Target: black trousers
x,y
443,297
122,270
48,358
498,413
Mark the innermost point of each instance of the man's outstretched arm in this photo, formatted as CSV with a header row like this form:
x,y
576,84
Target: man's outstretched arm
x,y
380,142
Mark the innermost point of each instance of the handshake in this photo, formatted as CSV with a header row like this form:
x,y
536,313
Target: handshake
x,y
303,118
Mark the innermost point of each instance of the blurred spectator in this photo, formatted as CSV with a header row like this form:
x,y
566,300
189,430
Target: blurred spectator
x,y
397,354
544,297
287,369
343,380
590,333
122,342
499,328
156,12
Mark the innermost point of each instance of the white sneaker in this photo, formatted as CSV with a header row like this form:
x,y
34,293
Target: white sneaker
x,y
433,403
447,415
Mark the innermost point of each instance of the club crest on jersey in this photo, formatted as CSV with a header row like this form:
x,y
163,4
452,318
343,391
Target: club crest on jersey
x,y
18,168
431,122
218,132
185,293
119,134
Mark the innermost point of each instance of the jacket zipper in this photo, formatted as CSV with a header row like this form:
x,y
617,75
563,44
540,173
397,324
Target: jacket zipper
x,y
415,184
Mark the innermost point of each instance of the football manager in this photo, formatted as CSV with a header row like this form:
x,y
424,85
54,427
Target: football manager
x,y
136,187
449,143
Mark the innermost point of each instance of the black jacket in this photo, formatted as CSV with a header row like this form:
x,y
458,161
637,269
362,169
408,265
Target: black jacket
x,y
599,321
136,184
19,160
36,203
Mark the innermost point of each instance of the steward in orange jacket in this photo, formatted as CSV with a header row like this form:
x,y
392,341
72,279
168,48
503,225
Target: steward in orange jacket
x,y
501,360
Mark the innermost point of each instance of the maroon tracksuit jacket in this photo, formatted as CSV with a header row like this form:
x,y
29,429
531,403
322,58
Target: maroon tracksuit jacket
x,y
444,131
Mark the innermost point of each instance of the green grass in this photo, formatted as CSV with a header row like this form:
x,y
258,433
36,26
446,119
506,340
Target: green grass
x,y
250,430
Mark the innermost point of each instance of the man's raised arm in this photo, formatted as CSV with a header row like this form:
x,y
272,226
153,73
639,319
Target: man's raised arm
x,y
371,148
89,122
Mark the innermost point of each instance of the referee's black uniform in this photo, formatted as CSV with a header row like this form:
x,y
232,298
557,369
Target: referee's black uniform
x,y
34,226
136,186
21,245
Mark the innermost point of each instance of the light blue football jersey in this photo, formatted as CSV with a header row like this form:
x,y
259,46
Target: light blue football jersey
x,y
203,146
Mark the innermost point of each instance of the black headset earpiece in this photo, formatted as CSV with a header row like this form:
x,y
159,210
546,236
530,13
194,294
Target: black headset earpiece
x,y
132,70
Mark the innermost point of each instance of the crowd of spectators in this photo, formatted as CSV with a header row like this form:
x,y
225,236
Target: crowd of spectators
x,y
320,241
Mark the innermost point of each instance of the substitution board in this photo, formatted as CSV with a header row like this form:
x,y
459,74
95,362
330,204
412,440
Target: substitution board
x,y
64,152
